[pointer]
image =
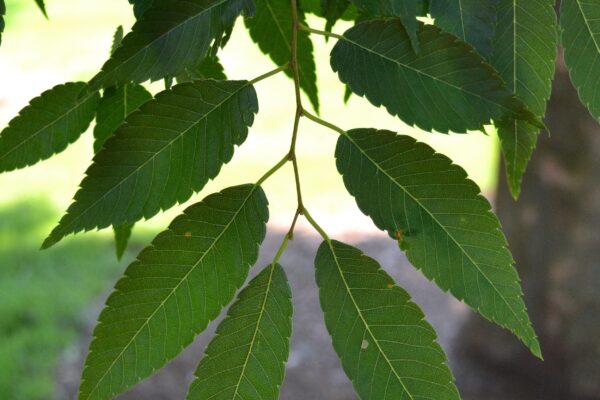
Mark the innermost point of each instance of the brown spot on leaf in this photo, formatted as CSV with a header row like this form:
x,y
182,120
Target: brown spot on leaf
x,y
188,234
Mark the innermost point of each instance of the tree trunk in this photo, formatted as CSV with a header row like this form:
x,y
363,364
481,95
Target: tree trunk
x,y
554,234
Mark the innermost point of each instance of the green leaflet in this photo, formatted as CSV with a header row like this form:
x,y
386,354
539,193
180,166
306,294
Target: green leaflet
x,y
175,287
117,39
473,21
162,154
439,218
580,22
171,35
333,10
407,10
47,125
271,29
114,107
525,55
122,234
447,87
258,326
140,7
210,68
387,348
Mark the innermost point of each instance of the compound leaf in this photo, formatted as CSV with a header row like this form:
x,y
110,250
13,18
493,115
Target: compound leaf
x,y
407,10
439,218
387,348
174,288
580,22
258,326
170,36
47,125
473,21
447,87
162,154
271,29
525,56
114,107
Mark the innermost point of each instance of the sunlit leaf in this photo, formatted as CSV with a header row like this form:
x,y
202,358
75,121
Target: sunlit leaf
x,y
163,153
271,29
387,348
174,289
439,218
47,125
447,87
258,326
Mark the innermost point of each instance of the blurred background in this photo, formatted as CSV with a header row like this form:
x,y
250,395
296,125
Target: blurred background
x,y
49,300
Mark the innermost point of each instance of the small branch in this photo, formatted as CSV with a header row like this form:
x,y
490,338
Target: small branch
x,y
317,227
322,33
270,73
270,172
324,123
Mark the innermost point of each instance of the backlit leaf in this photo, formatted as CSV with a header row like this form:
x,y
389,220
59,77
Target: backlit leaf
x,y
447,87
387,348
271,29
163,153
170,36
47,125
524,55
258,326
439,218
174,289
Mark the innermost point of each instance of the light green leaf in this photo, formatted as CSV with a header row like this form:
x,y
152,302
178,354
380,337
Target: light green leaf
x,y
407,10
473,21
122,234
580,22
447,87
333,10
387,348
175,287
525,55
114,107
258,327
163,153
439,218
47,125
171,35
271,29
210,68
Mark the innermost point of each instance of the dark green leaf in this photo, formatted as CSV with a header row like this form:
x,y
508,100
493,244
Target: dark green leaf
x,y
580,21
473,21
114,107
387,348
175,287
171,35
407,10
333,10
447,87
2,13
271,29
140,7
439,218
42,7
314,7
210,68
258,326
47,125
162,154
122,235
525,55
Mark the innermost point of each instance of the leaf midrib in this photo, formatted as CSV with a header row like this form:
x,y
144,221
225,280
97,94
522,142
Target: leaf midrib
x,y
167,145
367,327
419,72
587,25
442,227
175,288
48,125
